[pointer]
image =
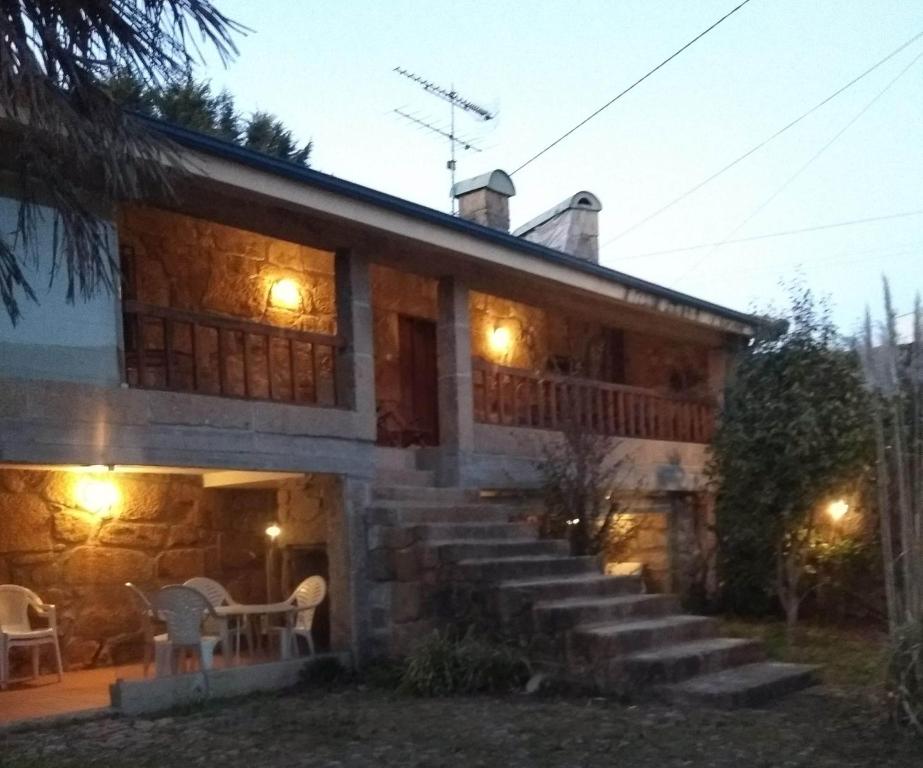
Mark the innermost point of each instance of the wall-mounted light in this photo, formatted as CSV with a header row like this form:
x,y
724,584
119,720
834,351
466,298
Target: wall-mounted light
x,y
500,340
96,495
273,531
285,294
837,509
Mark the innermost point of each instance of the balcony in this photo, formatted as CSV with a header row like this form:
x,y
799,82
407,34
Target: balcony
x,y
211,354
515,397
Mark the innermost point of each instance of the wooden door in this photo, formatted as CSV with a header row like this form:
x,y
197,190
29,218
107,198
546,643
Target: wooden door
x,y
419,406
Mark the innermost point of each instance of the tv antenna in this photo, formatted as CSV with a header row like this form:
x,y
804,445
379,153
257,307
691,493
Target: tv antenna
x,y
456,102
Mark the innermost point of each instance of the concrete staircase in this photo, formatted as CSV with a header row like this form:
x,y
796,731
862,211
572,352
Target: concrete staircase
x,y
580,625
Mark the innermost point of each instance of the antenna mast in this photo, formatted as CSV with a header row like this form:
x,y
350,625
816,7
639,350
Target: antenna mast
x,y
456,101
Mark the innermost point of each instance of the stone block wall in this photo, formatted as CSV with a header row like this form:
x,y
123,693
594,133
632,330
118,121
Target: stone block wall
x,y
395,293
540,339
200,266
164,529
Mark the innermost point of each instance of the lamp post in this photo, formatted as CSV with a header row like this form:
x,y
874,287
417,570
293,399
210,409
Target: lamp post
x,y
272,533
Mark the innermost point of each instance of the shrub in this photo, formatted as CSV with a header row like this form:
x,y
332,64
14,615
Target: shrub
x,y
444,664
906,674
325,673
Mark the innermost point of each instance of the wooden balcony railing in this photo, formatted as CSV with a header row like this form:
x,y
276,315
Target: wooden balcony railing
x,y
518,398
216,355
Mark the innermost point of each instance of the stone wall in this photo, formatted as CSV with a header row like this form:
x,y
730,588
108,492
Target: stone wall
x,y
653,362
526,326
163,529
197,265
395,293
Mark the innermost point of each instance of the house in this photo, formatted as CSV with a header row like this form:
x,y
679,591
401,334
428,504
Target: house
x,y
288,347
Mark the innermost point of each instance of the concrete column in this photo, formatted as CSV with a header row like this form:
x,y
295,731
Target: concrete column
x,y
347,556
356,362
456,400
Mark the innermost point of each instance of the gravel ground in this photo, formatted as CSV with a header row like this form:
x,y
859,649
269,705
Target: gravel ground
x,y
356,727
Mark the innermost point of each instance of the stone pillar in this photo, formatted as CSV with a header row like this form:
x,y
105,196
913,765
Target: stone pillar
x,y
456,400
356,362
347,555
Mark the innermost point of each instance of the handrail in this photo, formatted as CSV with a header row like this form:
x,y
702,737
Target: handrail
x,y
204,353
230,323
517,397
484,365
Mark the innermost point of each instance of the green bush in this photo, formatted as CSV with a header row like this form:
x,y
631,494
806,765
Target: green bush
x,y
906,674
444,664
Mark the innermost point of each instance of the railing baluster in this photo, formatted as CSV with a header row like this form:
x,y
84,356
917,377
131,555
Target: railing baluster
x,y
141,352
315,389
291,369
269,366
540,410
166,328
222,362
194,351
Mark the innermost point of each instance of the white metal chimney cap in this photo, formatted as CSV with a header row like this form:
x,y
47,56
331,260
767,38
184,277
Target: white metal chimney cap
x,y
582,201
496,181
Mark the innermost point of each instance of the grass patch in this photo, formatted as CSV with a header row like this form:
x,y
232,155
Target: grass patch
x,y
851,657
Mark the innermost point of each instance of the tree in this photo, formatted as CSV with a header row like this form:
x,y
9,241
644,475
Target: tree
x,y
894,374
794,435
65,138
192,104
581,473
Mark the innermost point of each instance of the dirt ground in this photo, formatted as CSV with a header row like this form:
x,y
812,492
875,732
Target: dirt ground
x,y
361,727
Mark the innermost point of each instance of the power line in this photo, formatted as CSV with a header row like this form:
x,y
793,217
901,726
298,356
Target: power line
x,y
782,187
763,143
783,233
629,88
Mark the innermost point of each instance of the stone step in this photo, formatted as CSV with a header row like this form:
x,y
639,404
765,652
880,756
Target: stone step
x,y
406,513
454,551
475,532
555,616
749,685
505,568
619,638
424,494
582,585
416,478
681,661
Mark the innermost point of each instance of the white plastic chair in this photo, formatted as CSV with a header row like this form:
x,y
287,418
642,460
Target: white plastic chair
x,y
16,630
217,594
306,597
183,610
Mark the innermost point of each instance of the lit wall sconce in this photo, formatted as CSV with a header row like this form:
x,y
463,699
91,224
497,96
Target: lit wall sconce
x,y
285,294
273,531
837,509
96,495
501,340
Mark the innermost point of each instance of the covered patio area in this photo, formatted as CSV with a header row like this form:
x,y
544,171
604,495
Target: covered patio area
x,y
74,535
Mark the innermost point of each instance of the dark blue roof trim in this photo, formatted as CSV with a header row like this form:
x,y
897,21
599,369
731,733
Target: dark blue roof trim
x,y
235,153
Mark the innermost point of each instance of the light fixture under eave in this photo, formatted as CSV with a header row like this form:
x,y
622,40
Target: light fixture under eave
x,y
96,495
273,531
837,509
285,294
500,340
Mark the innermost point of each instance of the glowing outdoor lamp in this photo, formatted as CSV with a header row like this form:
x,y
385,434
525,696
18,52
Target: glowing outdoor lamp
x,y
501,340
837,509
273,531
96,495
285,294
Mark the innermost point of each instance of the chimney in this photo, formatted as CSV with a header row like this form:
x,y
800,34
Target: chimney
x,y
571,226
485,199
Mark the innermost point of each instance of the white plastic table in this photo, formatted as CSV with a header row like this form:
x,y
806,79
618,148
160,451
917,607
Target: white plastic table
x,y
249,610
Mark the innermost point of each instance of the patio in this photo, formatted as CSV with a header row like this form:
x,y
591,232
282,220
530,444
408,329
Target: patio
x,y
71,537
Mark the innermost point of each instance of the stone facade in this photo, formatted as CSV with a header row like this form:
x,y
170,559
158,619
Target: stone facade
x,y
163,529
395,293
541,340
200,266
